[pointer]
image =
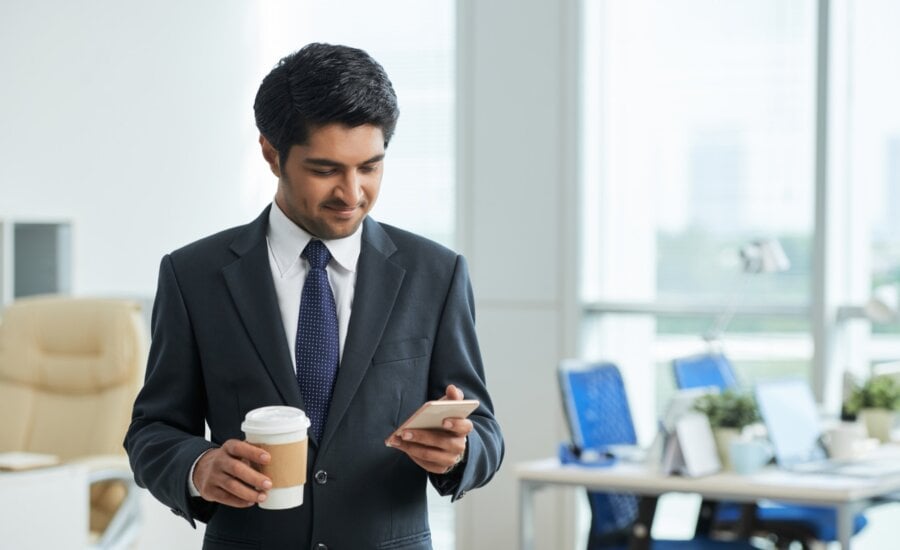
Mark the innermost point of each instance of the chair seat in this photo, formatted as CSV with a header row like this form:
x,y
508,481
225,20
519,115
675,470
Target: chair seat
x,y
821,521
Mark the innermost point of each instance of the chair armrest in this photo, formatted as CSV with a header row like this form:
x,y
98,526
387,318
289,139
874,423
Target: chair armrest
x,y
122,529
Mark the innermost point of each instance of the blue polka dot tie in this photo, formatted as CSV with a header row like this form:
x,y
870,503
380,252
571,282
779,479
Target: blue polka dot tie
x,y
318,346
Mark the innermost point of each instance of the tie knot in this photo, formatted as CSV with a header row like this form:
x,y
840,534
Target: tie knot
x,y
316,253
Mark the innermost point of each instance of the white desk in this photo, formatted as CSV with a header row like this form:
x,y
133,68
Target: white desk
x,y
847,495
44,508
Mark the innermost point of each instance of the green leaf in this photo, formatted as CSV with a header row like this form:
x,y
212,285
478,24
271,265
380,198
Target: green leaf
x,y
729,409
878,392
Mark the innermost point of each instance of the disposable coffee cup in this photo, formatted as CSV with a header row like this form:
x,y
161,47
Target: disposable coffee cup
x,y
843,440
748,456
281,431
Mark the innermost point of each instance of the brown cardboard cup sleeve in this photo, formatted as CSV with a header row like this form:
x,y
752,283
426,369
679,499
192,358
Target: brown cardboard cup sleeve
x,y
287,468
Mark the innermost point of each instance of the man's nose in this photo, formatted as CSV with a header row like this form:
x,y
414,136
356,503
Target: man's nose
x,y
351,188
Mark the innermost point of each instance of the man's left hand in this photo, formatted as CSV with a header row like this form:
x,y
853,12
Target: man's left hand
x,y
437,450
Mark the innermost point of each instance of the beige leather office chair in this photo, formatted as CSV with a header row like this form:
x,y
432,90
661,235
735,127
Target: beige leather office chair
x,y
69,371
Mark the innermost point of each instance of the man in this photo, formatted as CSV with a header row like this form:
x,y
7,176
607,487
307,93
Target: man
x,y
386,322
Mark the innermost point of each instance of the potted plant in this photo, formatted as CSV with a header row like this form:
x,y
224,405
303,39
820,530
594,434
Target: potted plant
x,y
875,403
729,413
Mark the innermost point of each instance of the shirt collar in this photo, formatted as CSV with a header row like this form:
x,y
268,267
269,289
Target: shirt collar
x,y
287,240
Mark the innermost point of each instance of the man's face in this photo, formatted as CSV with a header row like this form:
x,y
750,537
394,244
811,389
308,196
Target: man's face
x,y
329,185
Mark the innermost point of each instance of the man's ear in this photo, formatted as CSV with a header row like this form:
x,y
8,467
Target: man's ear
x,y
271,155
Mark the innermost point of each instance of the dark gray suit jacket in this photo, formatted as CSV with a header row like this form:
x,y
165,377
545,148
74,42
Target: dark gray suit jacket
x,y
219,350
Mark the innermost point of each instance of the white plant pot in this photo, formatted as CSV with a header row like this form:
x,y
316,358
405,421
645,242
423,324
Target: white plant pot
x,y
878,422
724,437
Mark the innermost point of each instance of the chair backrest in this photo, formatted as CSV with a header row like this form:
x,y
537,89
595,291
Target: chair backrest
x,y
706,369
69,371
597,411
596,404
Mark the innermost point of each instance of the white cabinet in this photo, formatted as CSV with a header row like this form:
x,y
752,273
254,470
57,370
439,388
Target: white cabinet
x,y
44,508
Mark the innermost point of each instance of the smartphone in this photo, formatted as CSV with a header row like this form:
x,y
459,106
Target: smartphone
x,y
432,414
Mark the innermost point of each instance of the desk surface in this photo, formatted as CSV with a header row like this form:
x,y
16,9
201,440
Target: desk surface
x,y
847,495
771,483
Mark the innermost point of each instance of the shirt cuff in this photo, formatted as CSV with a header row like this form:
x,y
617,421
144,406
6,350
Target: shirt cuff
x,y
192,489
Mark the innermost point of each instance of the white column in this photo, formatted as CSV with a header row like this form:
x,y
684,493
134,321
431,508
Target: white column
x,y
517,226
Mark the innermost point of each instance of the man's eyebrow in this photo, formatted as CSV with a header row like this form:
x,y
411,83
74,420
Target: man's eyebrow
x,y
334,164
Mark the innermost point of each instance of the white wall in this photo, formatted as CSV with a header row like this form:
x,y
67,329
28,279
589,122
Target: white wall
x,y
112,122
133,121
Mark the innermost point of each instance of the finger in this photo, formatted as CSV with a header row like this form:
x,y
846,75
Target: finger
x,y
433,460
220,495
242,449
217,473
432,449
442,439
458,426
239,470
437,457
240,490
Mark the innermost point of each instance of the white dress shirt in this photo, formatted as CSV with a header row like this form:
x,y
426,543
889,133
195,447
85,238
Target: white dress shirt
x,y
286,241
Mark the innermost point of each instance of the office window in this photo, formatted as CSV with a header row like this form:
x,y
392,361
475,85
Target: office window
x,y
698,137
873,151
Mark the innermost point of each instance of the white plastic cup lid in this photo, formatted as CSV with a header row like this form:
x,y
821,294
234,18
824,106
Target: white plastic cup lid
x,y
275,420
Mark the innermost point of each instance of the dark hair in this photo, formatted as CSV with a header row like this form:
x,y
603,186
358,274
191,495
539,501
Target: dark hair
x,y
322,84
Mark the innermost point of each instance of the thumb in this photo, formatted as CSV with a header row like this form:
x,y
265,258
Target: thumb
x,y
453,393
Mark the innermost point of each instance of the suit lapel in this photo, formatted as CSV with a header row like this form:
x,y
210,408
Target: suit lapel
x,y
378,281
249,280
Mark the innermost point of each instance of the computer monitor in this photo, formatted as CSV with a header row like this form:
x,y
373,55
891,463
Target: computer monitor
x,y
789,411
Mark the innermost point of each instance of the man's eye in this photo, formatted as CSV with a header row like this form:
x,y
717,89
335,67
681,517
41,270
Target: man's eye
x,y
322,172
368,168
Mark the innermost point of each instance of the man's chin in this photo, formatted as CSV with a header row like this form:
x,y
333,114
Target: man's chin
x,y
334,231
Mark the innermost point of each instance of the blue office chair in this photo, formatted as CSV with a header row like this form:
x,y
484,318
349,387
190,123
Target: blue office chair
x,y
598,415
707,369
791,522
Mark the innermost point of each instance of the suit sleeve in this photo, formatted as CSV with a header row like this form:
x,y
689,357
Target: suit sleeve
x,y
456,359
166,434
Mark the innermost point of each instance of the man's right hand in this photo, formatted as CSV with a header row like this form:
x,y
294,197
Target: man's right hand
x,y
224,475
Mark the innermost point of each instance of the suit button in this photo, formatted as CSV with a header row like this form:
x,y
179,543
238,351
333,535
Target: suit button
x,y
321,478
321,546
